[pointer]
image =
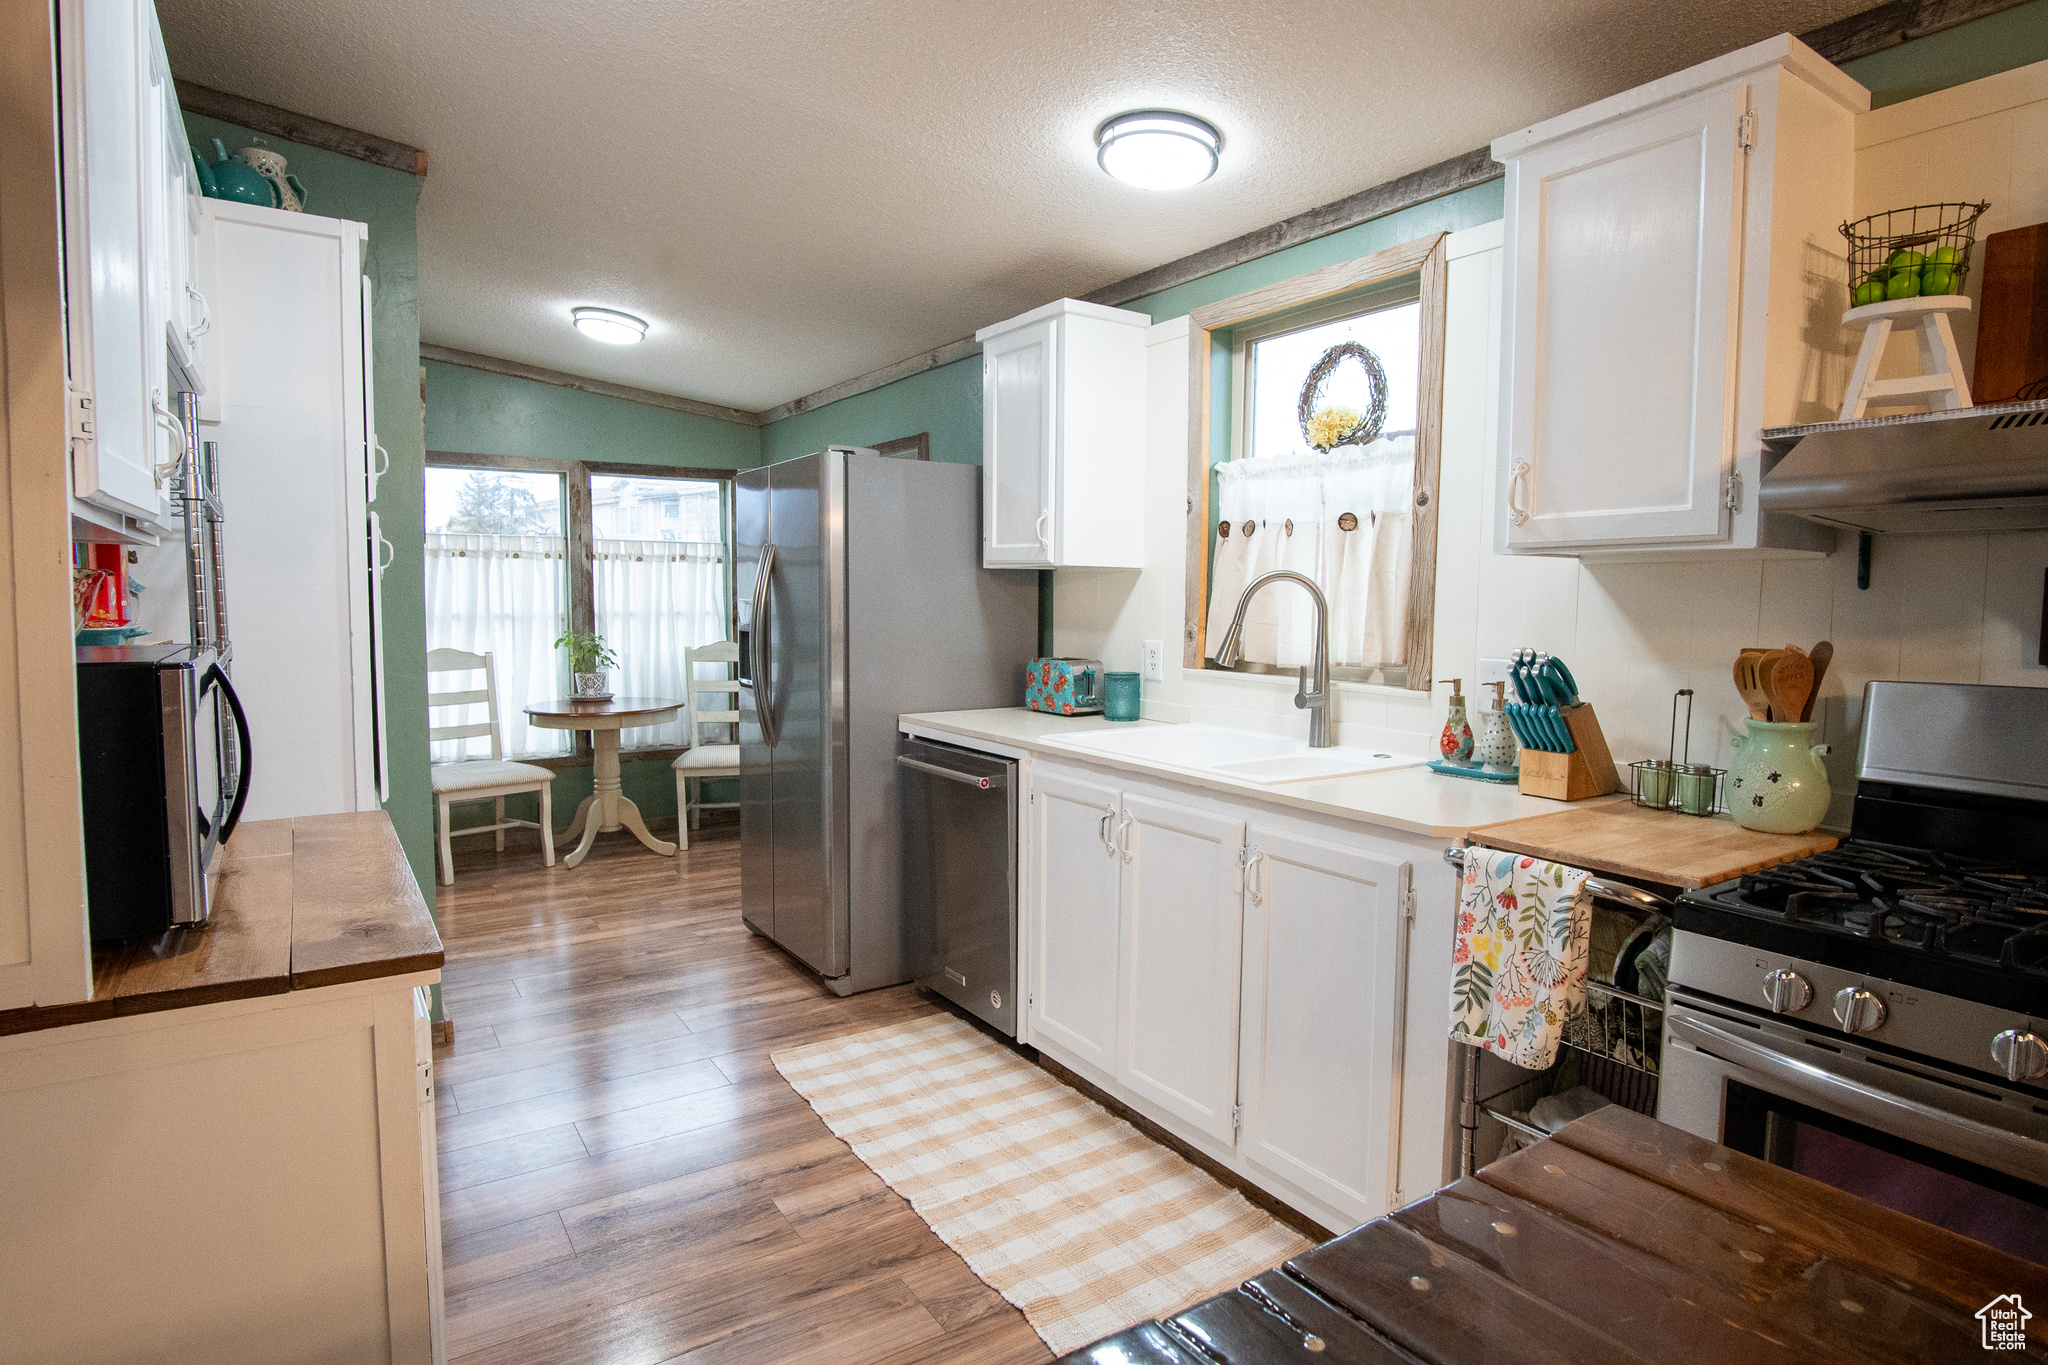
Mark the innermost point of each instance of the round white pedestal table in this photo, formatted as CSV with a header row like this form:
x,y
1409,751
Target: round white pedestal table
x,y
606,808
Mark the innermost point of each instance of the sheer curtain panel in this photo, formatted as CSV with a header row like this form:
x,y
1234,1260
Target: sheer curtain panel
x,y
654,599
507,596
1340,519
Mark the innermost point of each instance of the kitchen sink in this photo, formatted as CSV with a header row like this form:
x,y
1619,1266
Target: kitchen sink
x,y
1240,754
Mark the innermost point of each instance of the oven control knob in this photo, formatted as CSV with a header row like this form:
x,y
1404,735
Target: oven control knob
x,y
1857,1010
2020,1055
1786,991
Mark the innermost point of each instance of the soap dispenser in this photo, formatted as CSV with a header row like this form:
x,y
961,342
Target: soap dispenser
x,y
1496,750
1457,737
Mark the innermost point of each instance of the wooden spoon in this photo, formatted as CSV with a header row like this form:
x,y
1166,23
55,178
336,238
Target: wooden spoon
x,y
1823,654
1746,683
1786,677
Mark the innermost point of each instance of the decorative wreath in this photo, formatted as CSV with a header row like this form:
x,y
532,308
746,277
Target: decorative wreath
x,y
1326,426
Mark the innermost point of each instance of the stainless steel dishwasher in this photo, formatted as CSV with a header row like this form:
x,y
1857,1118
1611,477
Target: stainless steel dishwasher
x,y
960,875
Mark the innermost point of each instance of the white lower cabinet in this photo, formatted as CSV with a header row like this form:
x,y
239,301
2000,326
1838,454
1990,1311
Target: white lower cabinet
x,y
1255,1011
249,1182
1182,928
1075,871
1324,945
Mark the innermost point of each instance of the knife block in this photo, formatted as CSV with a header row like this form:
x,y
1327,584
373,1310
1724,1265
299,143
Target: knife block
x,y
1588,770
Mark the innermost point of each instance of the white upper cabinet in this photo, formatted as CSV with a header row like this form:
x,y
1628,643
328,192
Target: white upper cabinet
x,y
1671,254
1062,436
113,369
134,317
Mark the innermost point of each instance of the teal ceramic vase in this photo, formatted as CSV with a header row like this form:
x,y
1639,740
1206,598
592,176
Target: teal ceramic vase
x,y
238,180
1777,782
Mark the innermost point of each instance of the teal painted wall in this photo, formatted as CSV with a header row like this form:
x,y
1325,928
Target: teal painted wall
x,y
945,402
1999,42
388,201
477,413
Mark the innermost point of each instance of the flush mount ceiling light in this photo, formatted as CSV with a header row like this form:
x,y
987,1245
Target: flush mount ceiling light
x,y
609,326
1156,149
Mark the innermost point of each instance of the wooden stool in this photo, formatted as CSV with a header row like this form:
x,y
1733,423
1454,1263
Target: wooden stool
x,y
1941,377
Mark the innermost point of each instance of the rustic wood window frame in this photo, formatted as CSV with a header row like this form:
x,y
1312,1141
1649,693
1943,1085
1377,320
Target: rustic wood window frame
x,y
1425,257
576,476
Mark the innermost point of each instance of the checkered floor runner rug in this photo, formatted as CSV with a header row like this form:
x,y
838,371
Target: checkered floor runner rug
x,y
1071,1214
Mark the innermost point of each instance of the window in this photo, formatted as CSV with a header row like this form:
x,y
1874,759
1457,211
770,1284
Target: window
x,y
1316,452
520,551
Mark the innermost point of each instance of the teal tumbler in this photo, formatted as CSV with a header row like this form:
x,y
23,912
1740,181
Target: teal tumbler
x,y
1120,696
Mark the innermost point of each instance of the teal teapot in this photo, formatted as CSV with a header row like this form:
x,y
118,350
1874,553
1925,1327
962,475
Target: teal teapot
x,y
228,178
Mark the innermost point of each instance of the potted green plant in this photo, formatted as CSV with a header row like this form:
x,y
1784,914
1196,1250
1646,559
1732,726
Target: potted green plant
x,y
589,659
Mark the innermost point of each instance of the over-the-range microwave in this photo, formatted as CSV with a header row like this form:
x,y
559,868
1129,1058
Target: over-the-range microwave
x,y
164,758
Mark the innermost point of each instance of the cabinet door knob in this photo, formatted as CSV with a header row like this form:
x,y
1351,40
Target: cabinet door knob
x,y
1043,518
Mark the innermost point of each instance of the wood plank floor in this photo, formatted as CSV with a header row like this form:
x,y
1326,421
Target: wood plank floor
x,y
625,1178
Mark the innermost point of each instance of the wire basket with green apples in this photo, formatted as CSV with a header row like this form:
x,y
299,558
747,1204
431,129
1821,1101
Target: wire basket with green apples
x,y
1920,252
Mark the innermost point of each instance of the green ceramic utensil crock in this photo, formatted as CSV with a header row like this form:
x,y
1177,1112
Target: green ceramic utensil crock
x,y
1777,782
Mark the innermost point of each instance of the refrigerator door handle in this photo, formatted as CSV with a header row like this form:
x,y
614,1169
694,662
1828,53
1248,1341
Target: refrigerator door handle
x,y
764,701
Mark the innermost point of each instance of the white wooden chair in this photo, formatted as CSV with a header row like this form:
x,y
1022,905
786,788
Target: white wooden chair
x,y
701,760
480,779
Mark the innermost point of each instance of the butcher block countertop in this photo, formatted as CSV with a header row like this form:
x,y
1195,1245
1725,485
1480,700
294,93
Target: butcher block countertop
x,y
1625,840
1620,1239
307,902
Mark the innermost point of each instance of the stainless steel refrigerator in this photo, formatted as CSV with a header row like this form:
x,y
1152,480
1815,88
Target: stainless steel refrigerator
x,y
861,596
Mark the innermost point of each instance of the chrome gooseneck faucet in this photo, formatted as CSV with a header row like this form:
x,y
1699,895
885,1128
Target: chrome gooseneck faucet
x,y
1317,702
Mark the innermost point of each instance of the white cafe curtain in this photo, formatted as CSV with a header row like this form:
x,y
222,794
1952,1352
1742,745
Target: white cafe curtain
x,y
1290,512
509,596
656,598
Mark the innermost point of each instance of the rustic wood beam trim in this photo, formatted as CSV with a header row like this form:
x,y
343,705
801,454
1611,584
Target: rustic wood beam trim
x,y
1461,172
657,471
874,379
604,388
300,128
1887,26
1475,167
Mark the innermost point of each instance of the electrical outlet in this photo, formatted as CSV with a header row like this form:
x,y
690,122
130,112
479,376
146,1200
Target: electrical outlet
x,y
1155,660
1497,670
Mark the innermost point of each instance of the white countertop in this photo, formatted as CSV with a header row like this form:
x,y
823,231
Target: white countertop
x,y
1412,799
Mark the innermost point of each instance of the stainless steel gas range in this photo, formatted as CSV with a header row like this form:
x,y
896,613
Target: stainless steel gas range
x,y
1877,1016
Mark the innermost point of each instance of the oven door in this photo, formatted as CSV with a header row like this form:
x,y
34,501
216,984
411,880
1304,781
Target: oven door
x,y
1947,1147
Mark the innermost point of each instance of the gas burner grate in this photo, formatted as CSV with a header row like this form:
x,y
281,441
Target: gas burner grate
x,y
1917,900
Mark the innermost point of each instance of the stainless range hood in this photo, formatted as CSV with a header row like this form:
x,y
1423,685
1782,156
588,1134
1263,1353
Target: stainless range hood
x,y
1974,469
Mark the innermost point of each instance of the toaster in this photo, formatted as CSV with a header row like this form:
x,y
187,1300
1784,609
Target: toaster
x,y
1065,687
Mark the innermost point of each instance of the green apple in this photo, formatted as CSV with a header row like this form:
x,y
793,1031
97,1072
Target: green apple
x,y
1938,279
1870,291
1904,284
1946,255
1903,258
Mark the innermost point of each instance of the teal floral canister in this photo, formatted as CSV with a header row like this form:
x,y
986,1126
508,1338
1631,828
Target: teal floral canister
x,y
1777,782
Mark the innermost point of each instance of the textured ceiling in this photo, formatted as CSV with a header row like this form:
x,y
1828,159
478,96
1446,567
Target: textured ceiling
x,y
796,193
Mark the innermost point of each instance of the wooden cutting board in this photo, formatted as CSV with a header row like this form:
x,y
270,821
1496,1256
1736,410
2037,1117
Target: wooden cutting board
x,y
1626,840
2012,320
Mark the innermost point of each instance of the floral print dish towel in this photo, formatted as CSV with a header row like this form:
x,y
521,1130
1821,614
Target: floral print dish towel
x,y
1518,969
